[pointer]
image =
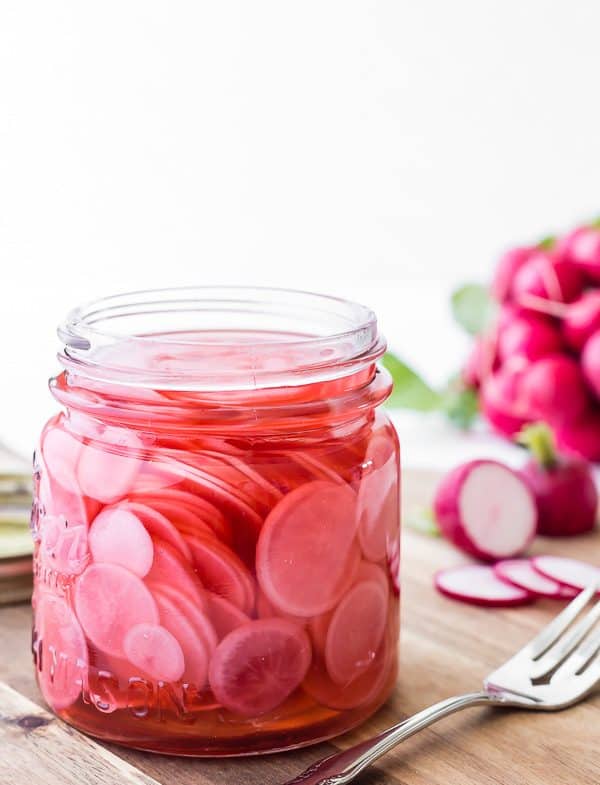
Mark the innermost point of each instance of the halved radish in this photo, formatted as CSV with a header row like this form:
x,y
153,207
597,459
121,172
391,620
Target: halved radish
x,y
155,651
169,567
106,469
197,616
62,651
257,666
486,509
571,572
225,616
119,537
61,451
64,546
303,549
479,585
520,572
378,498
195,654
158,525
222,572
109,600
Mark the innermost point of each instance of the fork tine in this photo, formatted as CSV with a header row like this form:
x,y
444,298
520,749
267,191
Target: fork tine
x,y
536,647
566,643
578,657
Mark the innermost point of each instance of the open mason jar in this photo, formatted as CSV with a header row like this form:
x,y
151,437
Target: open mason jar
x,y
216,519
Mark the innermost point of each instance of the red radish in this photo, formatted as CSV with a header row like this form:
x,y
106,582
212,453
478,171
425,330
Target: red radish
x,y
155,651
548,277
580,438
508,266
582,319
486,509
119,537
529,336
574,573
109,600
61,452
303,552
554,389
225,616
63,658
582,248
521,573
590,362
564,489
103,472
168,567
257,666
508,313
479,585
481,361
501,401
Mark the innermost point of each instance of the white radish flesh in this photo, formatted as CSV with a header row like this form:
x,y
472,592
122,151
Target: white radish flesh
x,y
479,585
574,573
521,573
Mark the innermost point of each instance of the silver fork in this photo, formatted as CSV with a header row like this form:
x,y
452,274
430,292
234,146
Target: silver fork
x,y
558,668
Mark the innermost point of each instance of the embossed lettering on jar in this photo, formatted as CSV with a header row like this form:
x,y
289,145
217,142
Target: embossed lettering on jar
x,y
216,522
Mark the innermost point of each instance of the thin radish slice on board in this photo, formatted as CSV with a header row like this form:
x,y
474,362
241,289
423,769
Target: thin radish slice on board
x,y
103,472
486,509
303,548
158,525
196,616
64,547
257,666
479,585
571,572
169,567
61,453
118,536
64,655
109,600
225,616
155,651
521,573
222,572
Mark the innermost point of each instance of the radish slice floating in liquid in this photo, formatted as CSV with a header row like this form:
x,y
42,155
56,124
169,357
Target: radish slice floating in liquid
x,y
479,585
155,651
168,567
103,473
118,536
225,616
61,453
158,525
521,573
573,573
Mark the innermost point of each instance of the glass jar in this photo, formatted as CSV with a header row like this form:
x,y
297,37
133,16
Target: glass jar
x,y
216,522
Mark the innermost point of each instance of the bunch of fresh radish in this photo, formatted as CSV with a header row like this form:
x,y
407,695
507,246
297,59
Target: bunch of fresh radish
x,y
493,512
538,357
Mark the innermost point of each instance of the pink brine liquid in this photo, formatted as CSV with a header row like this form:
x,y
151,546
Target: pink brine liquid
x,y
216,572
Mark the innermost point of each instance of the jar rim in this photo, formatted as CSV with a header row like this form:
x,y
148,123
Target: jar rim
x,y
292,336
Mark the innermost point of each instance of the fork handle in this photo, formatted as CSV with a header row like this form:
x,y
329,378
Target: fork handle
x,y
344,766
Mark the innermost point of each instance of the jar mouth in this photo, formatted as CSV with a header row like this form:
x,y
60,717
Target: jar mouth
x,y
215,337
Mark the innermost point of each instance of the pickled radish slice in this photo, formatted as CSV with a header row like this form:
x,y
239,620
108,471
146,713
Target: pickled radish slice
x,y
109,600
155,651
64,547
303,548
61,453
356,631
319,469
61,650
197,616
573,573
222,572
225,616
479,585
103,473
257,666
520,572
168,567
195,656
266,610
158,525
367,571
183,519
378,502
118,536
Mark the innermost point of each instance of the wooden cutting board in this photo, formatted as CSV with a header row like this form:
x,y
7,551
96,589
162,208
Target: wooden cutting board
x,y
446,648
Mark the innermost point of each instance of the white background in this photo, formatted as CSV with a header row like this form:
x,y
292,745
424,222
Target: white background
x,y
383,151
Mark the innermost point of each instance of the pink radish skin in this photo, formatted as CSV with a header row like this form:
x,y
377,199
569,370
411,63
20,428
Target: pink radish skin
x,y
580,438
478,584
481,362
554,390
500,401
529,336
582,248
582,319
521,573
548,277
590,363
508,266
571,572
486,509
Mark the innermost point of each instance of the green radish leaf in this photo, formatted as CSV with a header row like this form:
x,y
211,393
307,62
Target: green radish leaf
x,y
595,224
422,520
460,403
473,308
410,391
547,243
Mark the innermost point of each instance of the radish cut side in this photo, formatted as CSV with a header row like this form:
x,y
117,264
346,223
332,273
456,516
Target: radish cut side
x,y
158,525
573,573
61,453
479,585
155,651
521,573
189,637
119,537
169,568
225,616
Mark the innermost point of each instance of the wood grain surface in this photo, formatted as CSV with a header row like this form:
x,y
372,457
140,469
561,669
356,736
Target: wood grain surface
x,y
446,648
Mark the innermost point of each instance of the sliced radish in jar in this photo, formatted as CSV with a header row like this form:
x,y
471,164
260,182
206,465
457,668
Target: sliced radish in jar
x,y
222,572
64,654
158,525
64,547
573,573
61,453
225,616
103,471
257,666
486,509
155,651
378,502
304,546
479,585
168,567
266,610
192,643
109,600
118,536
521,573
